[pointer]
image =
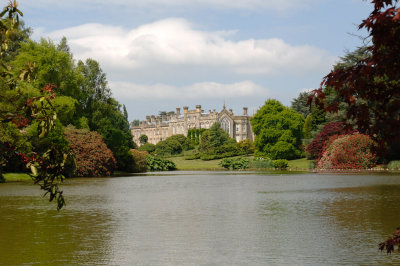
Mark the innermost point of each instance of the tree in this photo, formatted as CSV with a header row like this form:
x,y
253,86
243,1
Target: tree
x,y
307,127
299,104
15,115
48,66
371,87
315,148
214,137
278,131
143,139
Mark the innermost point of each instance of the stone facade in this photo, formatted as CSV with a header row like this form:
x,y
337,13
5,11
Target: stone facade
x,y
160,128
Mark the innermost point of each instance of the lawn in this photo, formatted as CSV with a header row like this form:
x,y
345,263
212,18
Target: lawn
x,y
182,164
12,177
300,164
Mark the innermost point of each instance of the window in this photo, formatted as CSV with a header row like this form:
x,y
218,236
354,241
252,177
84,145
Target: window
x,y
244,127
237,128
225,124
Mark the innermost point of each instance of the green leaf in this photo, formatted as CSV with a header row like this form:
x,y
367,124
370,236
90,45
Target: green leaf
x,y
34,170
4,11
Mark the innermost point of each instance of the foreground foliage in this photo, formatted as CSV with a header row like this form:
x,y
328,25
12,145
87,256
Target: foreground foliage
x,y
19,110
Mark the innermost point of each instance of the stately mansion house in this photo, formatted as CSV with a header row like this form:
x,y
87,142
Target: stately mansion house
x,y
158,128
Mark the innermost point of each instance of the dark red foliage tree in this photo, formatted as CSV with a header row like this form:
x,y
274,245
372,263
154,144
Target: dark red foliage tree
x,y
315,148
371,87
92,156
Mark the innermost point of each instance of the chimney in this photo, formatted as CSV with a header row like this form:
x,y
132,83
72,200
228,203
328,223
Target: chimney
x,y
198,108
230,111
178,111
185,109
245,111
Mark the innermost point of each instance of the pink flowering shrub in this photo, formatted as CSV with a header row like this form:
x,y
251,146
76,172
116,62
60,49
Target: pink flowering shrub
x,y
348,152
92,156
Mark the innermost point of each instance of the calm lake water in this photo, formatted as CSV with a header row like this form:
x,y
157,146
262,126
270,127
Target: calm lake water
x,y
203,218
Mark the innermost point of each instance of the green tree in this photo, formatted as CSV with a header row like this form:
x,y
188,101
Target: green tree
x,y
49,66
300,105
307,127
46,166
214,137
278,131
143,139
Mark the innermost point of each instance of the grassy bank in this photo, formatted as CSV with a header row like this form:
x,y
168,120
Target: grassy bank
x,y
182,164
14,177
300,164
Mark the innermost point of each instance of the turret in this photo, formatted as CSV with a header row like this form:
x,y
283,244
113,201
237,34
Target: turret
x,y
245,111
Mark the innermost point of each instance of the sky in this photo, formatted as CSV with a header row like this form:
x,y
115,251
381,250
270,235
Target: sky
x,y
163,54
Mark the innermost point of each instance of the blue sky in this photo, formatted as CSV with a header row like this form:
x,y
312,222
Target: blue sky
x,y
163,54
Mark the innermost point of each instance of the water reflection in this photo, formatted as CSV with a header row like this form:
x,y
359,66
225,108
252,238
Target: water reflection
x,y
32,232
203,218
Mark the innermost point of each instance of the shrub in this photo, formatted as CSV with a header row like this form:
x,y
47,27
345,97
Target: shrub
x,y
159,164
147,147
193,156
348,152
92,156
261,163
236,163
394,165
281,164
315,148
246,146
194,135
140,163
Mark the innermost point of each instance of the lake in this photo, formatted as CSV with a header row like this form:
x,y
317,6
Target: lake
x,y
203,218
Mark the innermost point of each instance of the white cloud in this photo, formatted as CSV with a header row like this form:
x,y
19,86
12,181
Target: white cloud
x,y
175,44
203,90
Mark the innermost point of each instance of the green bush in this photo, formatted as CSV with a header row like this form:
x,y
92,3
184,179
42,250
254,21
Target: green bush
x,y
261,163
173,145
147,147
193,156
394,165
281,164
235,163
159,164
246,146
140,163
